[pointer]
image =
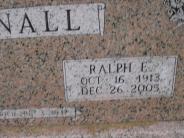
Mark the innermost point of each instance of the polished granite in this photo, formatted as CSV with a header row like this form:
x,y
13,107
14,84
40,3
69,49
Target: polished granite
x,y
31,75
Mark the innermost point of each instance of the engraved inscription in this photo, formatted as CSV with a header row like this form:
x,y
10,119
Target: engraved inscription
x,y
106,79
38,113
52,20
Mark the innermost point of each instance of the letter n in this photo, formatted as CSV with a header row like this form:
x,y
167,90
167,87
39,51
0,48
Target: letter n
x,y
7,27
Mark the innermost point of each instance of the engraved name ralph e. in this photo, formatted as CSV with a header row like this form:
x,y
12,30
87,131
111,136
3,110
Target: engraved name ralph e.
x,y
105,79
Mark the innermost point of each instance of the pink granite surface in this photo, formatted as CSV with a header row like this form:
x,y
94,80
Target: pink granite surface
x,y
30,76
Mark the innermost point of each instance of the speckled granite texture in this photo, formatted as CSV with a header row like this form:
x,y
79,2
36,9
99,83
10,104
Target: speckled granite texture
x,y
31,77
159,130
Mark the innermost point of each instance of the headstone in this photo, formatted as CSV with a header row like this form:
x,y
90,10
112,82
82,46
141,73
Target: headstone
x,y
91,69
